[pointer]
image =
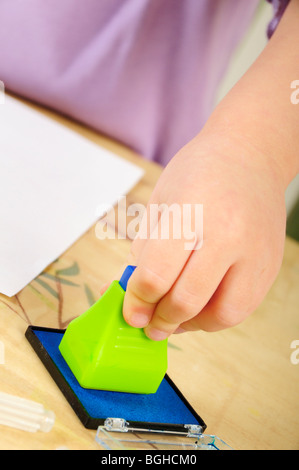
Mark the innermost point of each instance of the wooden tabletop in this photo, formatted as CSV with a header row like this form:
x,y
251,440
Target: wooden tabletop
x,y
242,381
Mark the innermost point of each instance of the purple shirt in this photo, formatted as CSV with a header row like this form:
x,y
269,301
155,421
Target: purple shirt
x,y
144,72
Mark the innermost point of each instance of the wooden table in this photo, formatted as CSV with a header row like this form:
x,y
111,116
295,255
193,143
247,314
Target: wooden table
x,y
241,381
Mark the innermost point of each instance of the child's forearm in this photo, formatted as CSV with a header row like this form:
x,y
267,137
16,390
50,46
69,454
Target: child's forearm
x,y
259,109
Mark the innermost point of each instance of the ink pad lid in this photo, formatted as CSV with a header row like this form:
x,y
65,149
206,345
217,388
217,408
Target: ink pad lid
x,y
116,434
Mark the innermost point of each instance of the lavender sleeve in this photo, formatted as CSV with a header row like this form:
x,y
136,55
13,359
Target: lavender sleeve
x,y
279,7
143,72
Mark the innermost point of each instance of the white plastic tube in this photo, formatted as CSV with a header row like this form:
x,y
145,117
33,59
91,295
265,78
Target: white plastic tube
x,y
24,414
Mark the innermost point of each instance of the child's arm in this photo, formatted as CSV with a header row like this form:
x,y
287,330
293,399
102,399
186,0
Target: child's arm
x,y
238,167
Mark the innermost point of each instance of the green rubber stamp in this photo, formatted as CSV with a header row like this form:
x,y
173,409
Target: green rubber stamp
x,y
105,353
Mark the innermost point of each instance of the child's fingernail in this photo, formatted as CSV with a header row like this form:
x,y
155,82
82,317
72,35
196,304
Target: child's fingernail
x,y
156,335
139,320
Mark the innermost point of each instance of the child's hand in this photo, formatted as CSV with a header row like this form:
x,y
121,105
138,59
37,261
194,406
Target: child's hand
x,y
220,284
238,167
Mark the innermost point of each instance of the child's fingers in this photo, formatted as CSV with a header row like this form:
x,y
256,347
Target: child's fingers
x,y
159,264
192,290
150,281
233,301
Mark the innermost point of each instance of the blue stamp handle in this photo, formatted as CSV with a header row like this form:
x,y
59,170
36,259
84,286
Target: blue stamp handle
x,y
126,276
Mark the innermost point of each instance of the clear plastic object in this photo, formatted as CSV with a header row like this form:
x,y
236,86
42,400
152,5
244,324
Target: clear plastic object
x,y
24,414
122,437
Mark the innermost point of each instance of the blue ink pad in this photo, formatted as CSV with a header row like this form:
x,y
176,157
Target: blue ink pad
x,y
167,409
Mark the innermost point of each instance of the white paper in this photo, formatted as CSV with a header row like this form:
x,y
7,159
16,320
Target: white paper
x,y
53,182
